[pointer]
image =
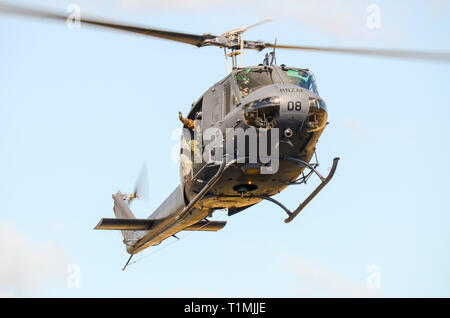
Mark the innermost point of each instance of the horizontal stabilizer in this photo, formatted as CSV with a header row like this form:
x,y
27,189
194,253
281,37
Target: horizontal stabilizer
x,y
206,226
124,224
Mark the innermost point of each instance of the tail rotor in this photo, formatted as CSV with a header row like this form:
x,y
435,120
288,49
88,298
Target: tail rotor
x,y
141,187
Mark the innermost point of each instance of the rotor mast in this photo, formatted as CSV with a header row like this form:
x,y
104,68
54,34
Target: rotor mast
x,y
233,55
234,40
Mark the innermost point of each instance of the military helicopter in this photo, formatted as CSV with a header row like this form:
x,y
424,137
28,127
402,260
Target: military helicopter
x,y
268,106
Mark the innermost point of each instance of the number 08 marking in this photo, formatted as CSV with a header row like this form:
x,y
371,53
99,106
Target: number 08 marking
x,y
294,106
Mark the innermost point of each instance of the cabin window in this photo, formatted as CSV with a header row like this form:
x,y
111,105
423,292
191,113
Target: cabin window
x,y
250,80
196,111
302,78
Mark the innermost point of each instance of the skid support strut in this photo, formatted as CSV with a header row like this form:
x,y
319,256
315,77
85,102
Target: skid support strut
x,y
302,205
315,192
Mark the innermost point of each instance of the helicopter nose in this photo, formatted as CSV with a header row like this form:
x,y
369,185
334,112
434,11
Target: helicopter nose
x,y
263,112
294,109
299,109
287,111
287,108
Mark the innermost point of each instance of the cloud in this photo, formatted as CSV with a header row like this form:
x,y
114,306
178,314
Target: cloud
x,y
26,266
188,293
342,19
355,126
436,9
323,278
359,129
345,21
6,294
178,5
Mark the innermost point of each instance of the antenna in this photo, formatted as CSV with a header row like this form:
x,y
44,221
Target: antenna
x,y
127,262
242,50
271,55
274,59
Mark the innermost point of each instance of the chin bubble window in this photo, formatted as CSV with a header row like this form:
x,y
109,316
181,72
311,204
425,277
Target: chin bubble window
x,y
262,113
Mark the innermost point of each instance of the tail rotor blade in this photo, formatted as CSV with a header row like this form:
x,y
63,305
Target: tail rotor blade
x,y
141,187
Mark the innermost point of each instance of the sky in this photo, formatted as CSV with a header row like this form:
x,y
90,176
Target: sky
x,y
82,109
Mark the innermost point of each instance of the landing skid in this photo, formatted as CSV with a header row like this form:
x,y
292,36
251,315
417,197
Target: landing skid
x,y
292,215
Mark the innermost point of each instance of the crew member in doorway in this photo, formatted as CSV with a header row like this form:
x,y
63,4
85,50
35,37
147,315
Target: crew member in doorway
x,y
187,123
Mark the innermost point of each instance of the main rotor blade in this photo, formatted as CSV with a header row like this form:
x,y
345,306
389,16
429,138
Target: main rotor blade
x,y
258,23
418,55
208,39
243,29
192,39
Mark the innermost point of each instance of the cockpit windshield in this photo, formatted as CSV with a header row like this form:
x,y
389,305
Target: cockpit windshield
x,y
302,78
250,79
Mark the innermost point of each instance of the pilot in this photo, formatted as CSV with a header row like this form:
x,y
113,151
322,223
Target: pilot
x,y
305,79
243,83
245,91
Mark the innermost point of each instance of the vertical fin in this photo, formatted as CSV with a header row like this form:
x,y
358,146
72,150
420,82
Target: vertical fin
x,y
122,211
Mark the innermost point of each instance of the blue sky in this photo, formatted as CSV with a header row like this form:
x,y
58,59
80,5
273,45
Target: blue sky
x,y
81,110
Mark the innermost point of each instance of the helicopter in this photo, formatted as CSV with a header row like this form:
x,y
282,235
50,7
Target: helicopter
x,y
245,139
